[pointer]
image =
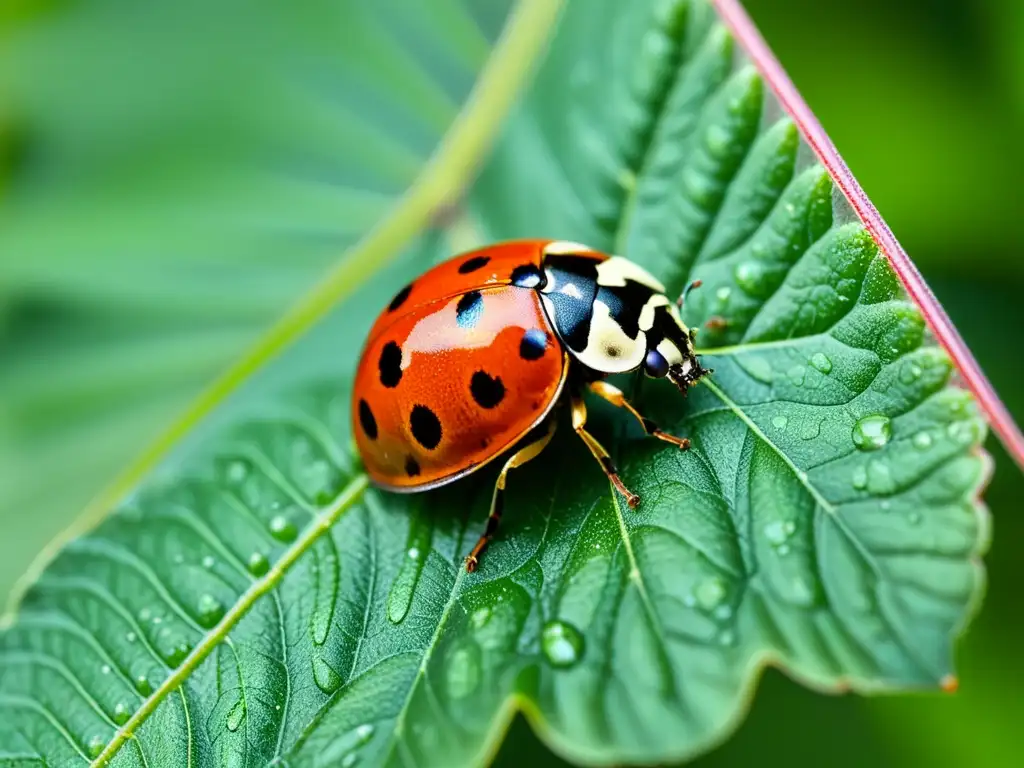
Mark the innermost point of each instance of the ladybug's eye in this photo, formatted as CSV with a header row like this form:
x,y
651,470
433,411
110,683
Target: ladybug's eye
x,y
655,364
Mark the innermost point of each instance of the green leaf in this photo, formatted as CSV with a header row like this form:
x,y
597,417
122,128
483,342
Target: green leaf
x,y
255,600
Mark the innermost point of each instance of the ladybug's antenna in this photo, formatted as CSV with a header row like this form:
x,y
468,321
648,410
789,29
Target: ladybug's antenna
x,y
686,292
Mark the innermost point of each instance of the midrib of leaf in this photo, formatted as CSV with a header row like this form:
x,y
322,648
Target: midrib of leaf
x,y
349,496
445,174
759,433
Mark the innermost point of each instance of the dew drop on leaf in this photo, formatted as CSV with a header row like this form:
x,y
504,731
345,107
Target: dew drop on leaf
x,y
417,546
821,363
779,531
562,644
177,654
283,529
872,432
797,375
131,637
121,713
480,617
909,373
235,716
710,593
95,746
780,422
727,638
880,480
209,611
324,675
463,671
236,471
860,478
914,518
922,441
105,669
143,686
749,276
722,294
758,368
209,562
258,565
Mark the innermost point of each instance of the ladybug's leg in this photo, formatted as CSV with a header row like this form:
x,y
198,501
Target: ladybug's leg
x,y
614,396
579,420
517,459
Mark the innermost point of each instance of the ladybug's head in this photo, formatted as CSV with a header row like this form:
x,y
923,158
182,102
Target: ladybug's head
x,y
670,349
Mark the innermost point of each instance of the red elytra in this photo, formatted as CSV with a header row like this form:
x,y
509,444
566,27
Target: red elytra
x,y
470,359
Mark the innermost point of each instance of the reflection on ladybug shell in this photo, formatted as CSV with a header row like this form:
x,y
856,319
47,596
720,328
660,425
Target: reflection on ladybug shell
x,y
455,372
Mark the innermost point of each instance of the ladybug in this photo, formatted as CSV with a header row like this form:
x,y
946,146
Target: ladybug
x,y
468,362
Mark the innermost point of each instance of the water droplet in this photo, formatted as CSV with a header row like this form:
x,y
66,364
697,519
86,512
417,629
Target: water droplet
x,y
723,293
96,745
710,593
872,432
105,669
121,713
821,363
236,715
801,592
236,471
326,576
324,675
880,479
914,518
885,505
258,564
780,422
909,373
480,617
758,367
209,611
131,637
779,531
723,612
689,600
749,276
143,686
562,644
178,559
177,654
363,733
860,478
922,441
463,671
349,760
208,562
961,431
783,549
283,529
404,587
811,430
727,638
145,614
797,374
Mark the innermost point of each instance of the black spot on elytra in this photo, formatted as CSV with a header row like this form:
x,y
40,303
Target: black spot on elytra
x,y
412,468
533,344
469,309
426,427
390,365
527,276
366,420
400,298
486,391
473,264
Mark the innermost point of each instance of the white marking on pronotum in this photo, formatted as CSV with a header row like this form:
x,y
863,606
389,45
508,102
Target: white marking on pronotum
x,y
616,270
646,319
565,248
609,349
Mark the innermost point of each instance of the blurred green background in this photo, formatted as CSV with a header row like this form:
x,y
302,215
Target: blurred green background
x,y
174,174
